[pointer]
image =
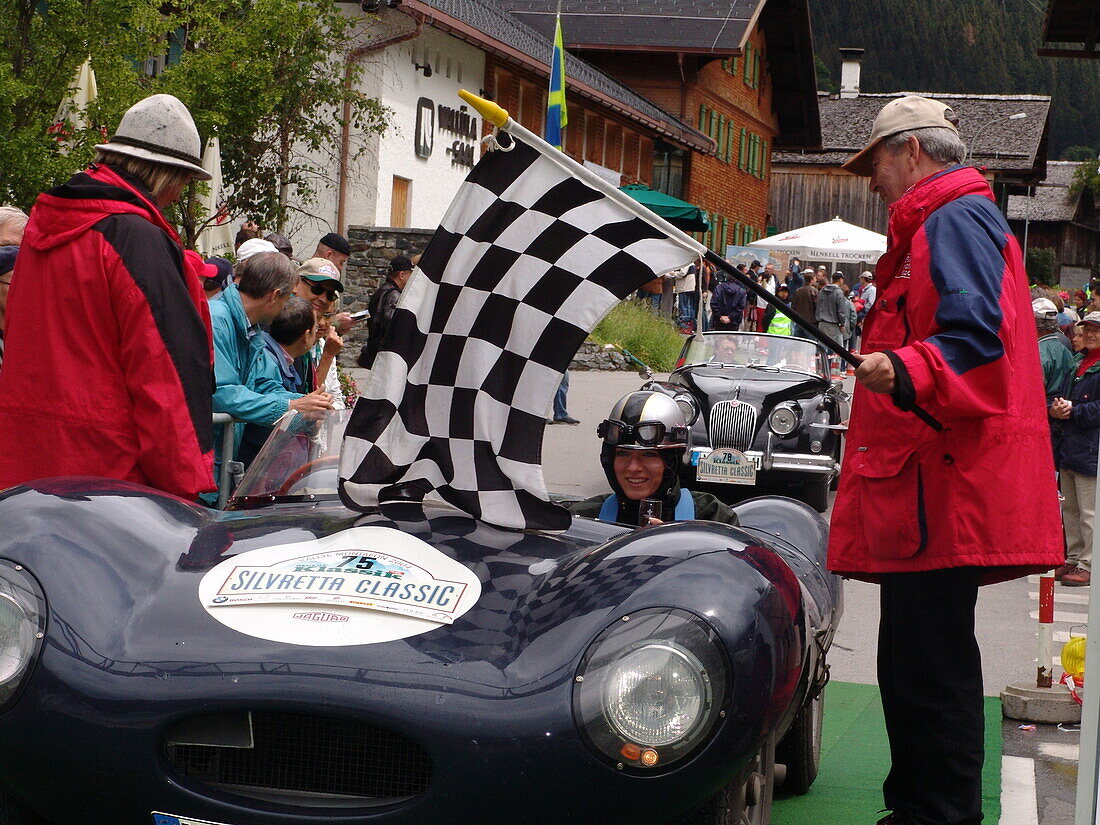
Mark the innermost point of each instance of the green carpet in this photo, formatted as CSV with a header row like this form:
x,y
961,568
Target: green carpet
x,y
855,759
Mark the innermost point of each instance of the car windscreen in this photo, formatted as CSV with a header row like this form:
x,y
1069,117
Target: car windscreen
x,y
300,458
748,349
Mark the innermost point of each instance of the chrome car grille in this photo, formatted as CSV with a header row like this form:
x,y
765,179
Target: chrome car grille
x,y
732,424
311,761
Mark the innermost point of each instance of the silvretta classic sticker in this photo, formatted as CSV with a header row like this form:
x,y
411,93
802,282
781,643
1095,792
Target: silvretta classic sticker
x,y
726,466
360,586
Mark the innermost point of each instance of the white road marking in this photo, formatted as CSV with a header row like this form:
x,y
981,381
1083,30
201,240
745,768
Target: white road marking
x,y
1064,598
1062,616
1062,751
1018,803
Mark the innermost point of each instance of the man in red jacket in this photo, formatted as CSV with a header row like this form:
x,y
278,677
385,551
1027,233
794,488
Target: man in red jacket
x,y
108,355
932,511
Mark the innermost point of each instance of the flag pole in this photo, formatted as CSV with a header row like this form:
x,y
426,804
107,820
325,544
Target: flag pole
x,y
500,118
811,328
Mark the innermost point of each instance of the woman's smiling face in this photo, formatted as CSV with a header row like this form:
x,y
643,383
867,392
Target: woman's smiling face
x,y
639,472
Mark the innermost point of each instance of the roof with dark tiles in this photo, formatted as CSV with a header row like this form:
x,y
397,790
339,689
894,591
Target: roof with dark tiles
x,y
492,21
690,25
1002,145
1052,200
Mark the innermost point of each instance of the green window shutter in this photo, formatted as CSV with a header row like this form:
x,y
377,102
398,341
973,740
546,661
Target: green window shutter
x,y
731,132
763,158
748,63
742,150
713,123
176,40
751,165
721,137
726,65
725,235
755,69
702,117
736,65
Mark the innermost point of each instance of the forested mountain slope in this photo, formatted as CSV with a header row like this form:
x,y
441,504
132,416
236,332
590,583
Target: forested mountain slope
x,y
978,46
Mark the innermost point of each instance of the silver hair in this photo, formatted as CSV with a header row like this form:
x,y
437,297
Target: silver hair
x,y
941,144
259,275
12,223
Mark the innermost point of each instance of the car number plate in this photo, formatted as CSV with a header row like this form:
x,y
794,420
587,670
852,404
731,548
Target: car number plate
x,y
726,466
172,819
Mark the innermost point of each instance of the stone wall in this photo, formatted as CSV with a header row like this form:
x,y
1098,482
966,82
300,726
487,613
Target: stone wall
x,y
372,248
592,356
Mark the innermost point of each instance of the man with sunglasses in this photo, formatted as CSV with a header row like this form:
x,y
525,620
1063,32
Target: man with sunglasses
x,y
382,304
320,285
644,439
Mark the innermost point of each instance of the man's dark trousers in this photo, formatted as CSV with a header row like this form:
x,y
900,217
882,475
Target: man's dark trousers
x,y
930,677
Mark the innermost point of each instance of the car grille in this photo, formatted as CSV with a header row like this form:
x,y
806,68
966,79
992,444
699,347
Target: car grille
x,y
732,424
314,761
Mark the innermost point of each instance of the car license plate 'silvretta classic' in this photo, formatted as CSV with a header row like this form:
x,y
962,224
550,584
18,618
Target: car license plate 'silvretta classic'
x,y
726,466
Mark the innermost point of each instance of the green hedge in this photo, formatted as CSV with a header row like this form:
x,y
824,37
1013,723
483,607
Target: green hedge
x,y
633,326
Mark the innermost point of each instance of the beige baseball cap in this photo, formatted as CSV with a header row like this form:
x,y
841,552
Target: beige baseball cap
x,y
902,115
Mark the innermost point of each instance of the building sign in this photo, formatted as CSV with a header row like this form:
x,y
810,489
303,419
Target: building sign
x,y
457,122
425,127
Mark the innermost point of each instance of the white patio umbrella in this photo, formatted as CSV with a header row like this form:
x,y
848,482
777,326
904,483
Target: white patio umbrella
x,y
73,111
834,240
217,237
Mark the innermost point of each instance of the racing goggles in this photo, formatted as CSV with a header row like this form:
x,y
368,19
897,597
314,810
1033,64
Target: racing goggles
x,y
644,433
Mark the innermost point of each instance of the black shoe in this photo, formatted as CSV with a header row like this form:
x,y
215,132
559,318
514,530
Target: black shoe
x,y
567,419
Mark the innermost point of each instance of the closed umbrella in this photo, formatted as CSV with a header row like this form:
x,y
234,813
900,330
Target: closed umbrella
x,y
834,240
72,114
217,237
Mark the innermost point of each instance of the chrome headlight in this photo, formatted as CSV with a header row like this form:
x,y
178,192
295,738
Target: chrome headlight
x,y
785,418
22,626
650,688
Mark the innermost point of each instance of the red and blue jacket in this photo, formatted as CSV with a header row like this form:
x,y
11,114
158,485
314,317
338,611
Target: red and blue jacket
x,y
954,315
107,370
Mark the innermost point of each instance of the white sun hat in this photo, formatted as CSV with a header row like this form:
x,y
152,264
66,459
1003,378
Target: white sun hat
x,y
159,129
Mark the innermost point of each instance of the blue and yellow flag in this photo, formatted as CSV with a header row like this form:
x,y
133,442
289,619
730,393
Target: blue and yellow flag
x,y
555,103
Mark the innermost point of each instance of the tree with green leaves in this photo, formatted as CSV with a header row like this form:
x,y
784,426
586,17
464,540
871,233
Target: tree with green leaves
x,y
269,78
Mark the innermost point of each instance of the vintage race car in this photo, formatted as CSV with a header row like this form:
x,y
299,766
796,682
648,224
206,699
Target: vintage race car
x,y
766,415
292,661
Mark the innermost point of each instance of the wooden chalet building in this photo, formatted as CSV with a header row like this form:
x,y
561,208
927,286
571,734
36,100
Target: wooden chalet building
x,y
808,186
1053,218
743,75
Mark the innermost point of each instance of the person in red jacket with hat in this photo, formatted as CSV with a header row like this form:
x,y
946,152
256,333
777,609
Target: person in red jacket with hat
x,y
106,309
932,511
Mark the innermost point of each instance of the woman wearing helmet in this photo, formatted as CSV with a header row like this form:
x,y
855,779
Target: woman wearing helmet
x,y
644,439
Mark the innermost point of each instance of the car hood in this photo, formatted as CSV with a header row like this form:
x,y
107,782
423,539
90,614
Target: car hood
x,y
763,388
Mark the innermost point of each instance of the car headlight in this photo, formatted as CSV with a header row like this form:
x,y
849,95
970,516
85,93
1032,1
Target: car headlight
x,y
785,418
22,626
650,688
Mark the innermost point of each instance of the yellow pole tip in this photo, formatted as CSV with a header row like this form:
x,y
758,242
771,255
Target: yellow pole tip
x,y
486,108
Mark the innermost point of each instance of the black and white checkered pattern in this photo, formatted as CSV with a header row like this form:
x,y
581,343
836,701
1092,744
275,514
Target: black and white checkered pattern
x,y
527,260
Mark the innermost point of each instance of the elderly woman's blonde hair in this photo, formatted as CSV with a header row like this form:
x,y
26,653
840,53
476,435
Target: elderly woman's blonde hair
x,y
157,177
12,223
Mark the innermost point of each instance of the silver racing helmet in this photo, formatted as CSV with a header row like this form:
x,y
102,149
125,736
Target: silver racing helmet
x,y
645,421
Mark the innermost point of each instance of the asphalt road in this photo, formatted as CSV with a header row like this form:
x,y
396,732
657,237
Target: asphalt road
x,y
1006,628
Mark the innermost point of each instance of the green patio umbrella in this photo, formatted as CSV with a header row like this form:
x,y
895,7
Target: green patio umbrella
x,y
679,213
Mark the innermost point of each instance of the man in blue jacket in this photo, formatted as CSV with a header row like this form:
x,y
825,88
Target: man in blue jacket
x,y
1079,413
264,283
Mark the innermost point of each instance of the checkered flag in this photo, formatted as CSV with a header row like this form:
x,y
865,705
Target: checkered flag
x,y
531,254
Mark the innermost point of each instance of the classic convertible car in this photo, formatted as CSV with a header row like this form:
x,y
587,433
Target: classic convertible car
x,y
292,661
766,415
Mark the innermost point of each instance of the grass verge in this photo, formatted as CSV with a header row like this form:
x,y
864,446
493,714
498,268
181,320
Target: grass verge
x,y
632,326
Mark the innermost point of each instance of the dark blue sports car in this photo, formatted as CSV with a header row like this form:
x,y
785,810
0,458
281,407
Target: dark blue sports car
x,y
292,661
